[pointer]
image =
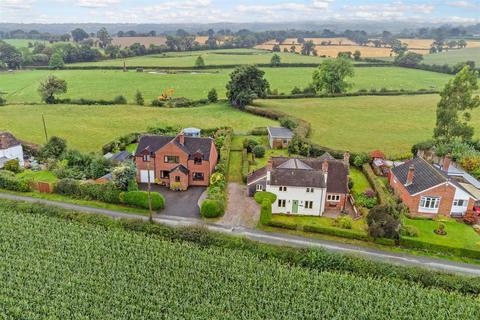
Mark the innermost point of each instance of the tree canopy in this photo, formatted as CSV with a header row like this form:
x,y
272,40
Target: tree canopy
x,y
246,84
330,75
453,115
51,87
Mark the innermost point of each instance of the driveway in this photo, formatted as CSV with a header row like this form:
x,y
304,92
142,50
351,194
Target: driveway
x,y
179,203
242,211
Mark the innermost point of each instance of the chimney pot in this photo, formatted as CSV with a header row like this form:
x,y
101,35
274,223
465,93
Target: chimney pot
x,y
447,160
410,174
181,138
346,158
325,166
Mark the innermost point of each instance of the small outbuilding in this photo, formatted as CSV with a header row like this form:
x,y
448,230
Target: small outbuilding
x,y
279,137
192,132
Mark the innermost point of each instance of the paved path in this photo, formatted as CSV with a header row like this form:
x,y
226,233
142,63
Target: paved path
x,y
281,239
241,211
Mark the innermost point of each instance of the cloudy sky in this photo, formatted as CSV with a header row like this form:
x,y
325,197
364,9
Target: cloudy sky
x,y
180,11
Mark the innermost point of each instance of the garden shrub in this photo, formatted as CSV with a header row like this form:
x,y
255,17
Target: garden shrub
x,y
120,100
264,195
288,122
8,181
409,231
140,199
265,211
106,192
211,208
344,222
383,222
366,199
12,165
250,143
259,151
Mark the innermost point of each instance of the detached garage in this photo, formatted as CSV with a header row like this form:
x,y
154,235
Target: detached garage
x,y
144,176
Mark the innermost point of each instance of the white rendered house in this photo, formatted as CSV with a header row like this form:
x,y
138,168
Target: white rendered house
x,y
10,148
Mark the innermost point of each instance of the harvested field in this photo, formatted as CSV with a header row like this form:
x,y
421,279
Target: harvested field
x,y
147,41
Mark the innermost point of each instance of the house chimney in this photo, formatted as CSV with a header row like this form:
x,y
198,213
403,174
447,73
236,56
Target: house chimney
x,y
269,169
346,158
181,138
411,171
447,160
325,166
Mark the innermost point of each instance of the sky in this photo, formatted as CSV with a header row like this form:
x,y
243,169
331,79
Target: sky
x,y
207,11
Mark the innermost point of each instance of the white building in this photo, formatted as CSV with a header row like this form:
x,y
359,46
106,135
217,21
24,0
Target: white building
x,y
10,148
303,186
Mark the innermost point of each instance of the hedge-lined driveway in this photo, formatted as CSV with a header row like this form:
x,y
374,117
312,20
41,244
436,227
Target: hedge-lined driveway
x,y
179,203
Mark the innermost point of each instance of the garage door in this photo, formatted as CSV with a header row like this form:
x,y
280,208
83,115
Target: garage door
x,y
144,176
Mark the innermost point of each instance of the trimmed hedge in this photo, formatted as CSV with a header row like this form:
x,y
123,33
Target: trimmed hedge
x,y
121,142
344,233
8,181
312,258
245,165
413,243
211,209
263,195
106,192
283,224
265,212
140,199
383,194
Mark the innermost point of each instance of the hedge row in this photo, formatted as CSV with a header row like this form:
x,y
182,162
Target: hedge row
x,y
384,196
8,181
206,67
302,130
433,247
380,92
245,165
344,233
121,143
311,258
140,199
83,101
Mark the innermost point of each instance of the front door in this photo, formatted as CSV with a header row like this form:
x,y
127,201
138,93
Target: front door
x,y
295,206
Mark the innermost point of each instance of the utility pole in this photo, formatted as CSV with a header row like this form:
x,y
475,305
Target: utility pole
x,y
45,128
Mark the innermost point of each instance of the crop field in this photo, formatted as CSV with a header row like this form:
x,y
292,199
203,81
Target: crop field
x,y
23,43
55,269
87,128
20,87
332,51
215,57
147,41
454,56
391,124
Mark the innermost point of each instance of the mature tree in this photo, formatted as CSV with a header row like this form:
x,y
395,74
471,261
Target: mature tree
x,y
276,60
452,44
293,49
112,51
199,63
276,48
462,43
308,47
56,61
344,54
79,35
398,47
409,59
331,74
53,149
211,42
459,66
246,84
104,37
384,221
10,55
51,87
453,115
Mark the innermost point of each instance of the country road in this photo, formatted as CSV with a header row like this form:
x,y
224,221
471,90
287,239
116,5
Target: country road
x,y
279,238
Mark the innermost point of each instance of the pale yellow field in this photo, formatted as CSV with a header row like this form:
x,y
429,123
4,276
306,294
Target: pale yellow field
x,y
147,41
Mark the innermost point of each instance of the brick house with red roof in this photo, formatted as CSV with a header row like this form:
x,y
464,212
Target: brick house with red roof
x,y
177,162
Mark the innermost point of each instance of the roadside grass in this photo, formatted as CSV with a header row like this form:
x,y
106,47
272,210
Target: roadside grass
x,y
360,182
21,86
366,123
88,128
458,235
89,203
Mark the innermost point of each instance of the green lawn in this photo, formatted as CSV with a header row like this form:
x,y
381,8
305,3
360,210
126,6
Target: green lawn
x,y
23,43
87,128
360,182
453,56
391,124
458,234
235,167
22,86
215,57
38,176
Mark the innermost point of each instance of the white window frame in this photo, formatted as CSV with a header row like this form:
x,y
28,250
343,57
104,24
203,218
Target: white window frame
x,y
429,203
259,187
457,201
333,197
282,188
308,204
310,190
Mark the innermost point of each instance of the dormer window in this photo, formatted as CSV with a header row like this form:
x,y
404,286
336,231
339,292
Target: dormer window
x,y
146,158
197,160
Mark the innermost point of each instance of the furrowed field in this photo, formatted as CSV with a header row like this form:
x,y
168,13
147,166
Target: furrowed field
x,y
87,128
391,124
21,87
52,268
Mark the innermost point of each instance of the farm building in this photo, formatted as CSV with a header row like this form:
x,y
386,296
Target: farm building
x,y
279,138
